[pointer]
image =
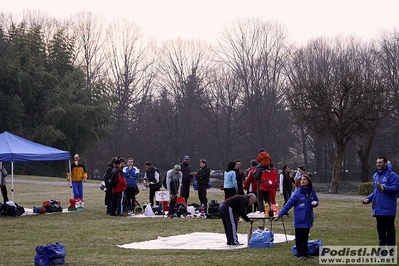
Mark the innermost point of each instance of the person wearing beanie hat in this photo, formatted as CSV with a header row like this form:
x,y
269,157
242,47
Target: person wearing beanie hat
x,y
77,176
173,185
264,161
303,200
187,177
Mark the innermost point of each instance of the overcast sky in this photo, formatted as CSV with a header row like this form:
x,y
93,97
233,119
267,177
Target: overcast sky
x,y
205,19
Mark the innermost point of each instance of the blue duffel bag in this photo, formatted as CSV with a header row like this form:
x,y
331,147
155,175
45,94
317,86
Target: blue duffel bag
x,y
52,254
261,239
313,247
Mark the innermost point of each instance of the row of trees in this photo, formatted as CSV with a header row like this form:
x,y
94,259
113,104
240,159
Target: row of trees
x,y
103,88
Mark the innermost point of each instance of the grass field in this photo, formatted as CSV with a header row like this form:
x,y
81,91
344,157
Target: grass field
x,y
91,237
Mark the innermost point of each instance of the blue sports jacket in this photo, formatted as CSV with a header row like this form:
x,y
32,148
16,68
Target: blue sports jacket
x,y
303,209
131,175
384,203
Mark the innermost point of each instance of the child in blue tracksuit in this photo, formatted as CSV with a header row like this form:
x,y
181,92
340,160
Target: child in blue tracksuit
x,y
303,200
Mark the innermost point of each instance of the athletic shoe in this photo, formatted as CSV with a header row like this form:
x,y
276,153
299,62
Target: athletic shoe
x,y
302,258
235,244
309,256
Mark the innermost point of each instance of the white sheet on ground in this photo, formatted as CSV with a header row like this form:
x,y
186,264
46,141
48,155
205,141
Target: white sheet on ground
x,y
30,212
197,241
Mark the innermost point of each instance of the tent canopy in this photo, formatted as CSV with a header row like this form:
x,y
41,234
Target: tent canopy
x,y
16,149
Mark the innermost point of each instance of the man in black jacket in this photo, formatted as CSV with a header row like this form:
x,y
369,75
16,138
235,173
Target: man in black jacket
x,y
151,180
187,176
202,177
240,177
108,186
233,208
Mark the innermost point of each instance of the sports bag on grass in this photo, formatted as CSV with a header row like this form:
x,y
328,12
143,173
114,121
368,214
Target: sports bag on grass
x,y
313,247
261,239
51,254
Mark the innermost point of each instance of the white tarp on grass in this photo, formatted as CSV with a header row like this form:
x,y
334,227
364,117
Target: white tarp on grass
x,y
197,241
30,212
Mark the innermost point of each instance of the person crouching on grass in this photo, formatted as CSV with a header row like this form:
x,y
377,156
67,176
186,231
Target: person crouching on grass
x,y
230,210
303,200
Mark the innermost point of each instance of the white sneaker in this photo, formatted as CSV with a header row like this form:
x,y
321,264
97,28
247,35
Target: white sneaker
x,y
132,214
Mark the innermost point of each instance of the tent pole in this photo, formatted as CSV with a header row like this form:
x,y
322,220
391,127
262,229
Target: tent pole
x,y
12,181
70,177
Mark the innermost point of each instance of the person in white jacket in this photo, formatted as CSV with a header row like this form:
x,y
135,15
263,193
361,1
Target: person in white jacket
x,y
174,184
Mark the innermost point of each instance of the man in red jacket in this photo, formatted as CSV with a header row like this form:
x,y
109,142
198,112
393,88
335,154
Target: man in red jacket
x,y
251,184
118,183
267,189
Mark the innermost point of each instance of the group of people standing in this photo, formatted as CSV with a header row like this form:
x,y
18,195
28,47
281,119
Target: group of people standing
x,y
121,186
261,182
121,183
261,179
178,182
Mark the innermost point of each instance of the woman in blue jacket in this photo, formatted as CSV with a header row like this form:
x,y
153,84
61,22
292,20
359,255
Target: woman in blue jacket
x,y
303,200
230,181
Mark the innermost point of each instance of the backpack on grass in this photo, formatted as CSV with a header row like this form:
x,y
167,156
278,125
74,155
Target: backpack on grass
x,y
11,209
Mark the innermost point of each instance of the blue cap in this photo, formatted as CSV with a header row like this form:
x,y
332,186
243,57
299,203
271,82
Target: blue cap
x,y
186,157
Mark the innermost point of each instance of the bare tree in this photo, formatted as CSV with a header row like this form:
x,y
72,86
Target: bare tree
x,y
337,90
89,32
223,114
255,52
130,57
183,69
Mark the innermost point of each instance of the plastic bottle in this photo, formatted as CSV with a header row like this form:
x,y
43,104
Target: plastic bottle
x,y
275,210
267,207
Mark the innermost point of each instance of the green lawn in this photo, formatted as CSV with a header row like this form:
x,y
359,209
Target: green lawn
x,y
91,237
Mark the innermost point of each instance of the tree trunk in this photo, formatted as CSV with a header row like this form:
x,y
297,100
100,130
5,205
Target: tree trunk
x,y
340,148
363,152
304,148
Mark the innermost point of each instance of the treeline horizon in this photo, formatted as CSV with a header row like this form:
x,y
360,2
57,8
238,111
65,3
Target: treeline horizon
x,y
104,89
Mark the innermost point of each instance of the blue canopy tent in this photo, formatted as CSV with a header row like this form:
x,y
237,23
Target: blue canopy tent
x,y
16,149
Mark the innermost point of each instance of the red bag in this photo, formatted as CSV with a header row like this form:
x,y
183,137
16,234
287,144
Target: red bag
x,y
268,181
181,200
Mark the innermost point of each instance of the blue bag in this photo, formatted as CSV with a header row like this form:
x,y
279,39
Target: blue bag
x,y
261,239
195,184
313,247
51,254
